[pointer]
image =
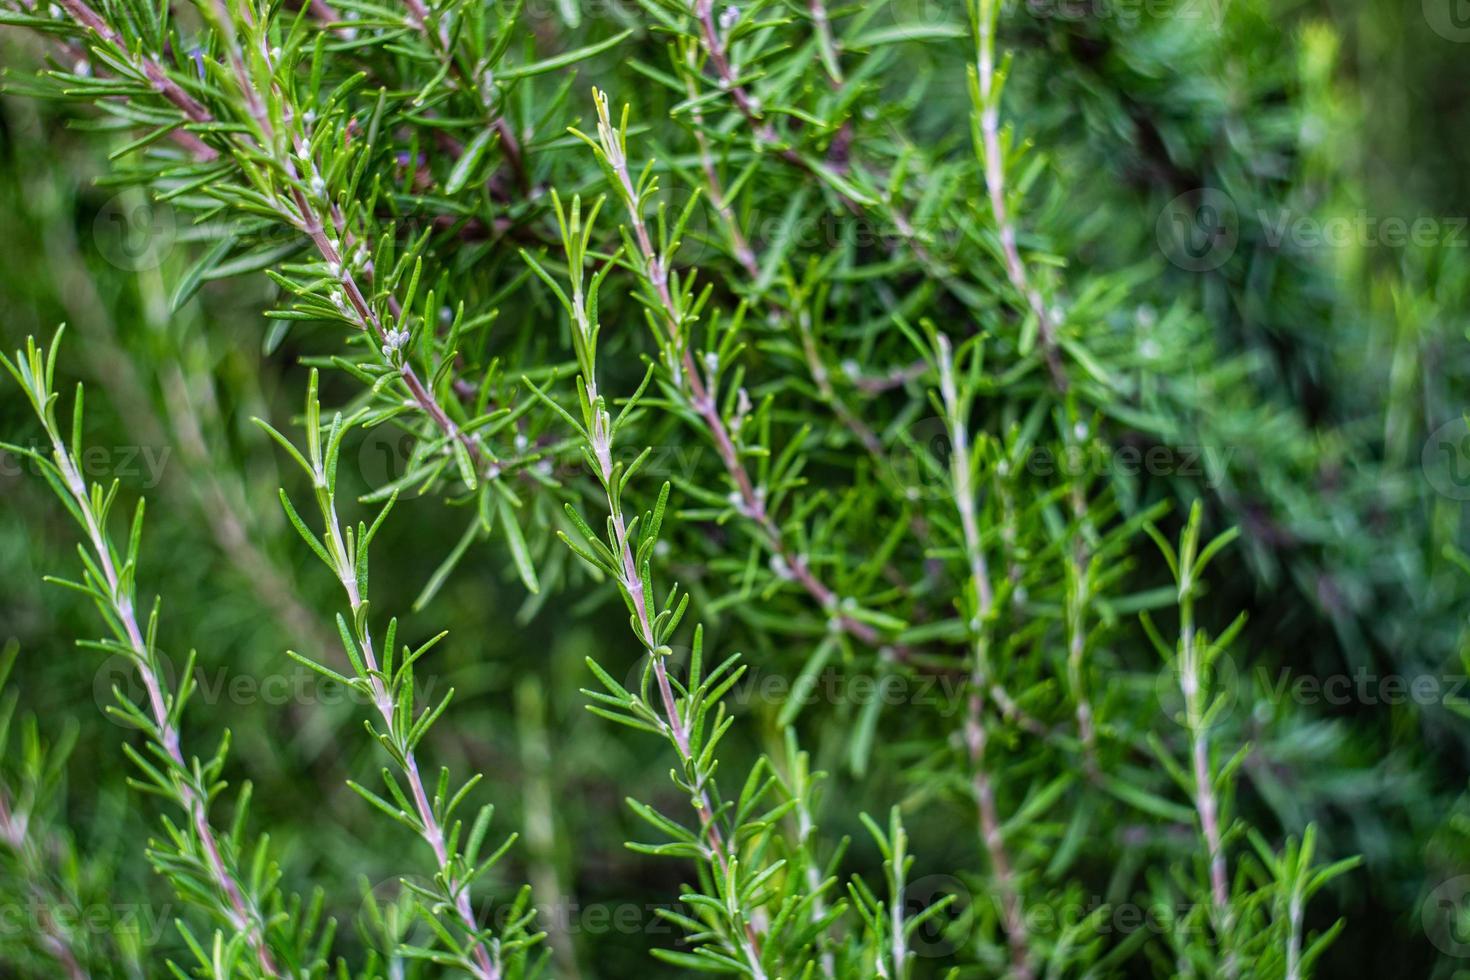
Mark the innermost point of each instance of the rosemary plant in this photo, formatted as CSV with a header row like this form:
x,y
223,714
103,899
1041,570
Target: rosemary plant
x,y
389,684
939,358
753,916
234,882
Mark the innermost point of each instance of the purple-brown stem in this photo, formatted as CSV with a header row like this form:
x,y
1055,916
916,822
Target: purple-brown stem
x,y
419,18
151,70
600,437
367,319
995,183
976,739
306,219
752,504
15,831
246,918
430,828
746,257
1205,802
713,42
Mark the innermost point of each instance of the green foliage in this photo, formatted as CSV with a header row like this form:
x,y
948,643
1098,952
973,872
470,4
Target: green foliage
x,y
886,366
219,871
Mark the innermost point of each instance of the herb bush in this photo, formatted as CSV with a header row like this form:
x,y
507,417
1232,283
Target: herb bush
x,y
789,490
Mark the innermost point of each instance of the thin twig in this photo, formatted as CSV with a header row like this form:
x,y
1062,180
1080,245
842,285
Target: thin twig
x,y
746,257
430,828
1205,802
305,218
713,42
751,502
419,18
976,738
16,832
675,725
247,918
995,183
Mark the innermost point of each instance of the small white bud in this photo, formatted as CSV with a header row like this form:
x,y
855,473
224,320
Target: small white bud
x,y
712,362
521,442
729,17
318,186
1080,430
742,409
394,342
742,401
780,569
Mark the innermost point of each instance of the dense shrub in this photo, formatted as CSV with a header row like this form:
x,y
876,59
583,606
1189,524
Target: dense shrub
x,y
890,490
